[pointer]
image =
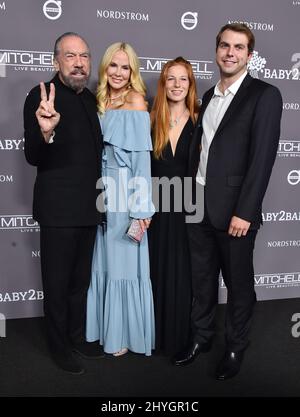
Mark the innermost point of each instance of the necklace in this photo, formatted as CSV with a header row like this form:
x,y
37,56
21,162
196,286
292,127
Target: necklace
x,y
175,122
116,97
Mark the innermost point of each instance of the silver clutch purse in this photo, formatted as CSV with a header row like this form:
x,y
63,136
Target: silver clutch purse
x,y
135,231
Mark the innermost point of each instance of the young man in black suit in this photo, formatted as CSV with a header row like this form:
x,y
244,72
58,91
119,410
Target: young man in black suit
x,y
238,129
64,141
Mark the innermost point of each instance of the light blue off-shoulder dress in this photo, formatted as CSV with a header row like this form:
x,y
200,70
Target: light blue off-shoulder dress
x,y
120,311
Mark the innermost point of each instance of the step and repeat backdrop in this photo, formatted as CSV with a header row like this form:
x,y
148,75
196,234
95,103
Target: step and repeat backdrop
x,y
158,30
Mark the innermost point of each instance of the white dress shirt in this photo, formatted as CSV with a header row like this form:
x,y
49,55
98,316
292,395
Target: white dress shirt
x,y
212,117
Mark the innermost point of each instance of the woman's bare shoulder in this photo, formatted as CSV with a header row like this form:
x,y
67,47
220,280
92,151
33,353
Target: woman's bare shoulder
x,y
135,101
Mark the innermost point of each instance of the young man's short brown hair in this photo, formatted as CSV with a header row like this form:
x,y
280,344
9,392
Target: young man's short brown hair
x,y
241,28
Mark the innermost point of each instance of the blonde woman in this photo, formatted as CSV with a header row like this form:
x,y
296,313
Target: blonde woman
x,y
173,116
120,310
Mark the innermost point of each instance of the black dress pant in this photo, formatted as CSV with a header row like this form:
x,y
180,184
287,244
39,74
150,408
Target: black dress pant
x,y
66,257
213,250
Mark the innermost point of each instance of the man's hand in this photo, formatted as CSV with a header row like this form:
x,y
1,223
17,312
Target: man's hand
x,y
46,115
238,227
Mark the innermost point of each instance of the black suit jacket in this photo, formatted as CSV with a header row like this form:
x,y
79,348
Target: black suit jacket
x,y
242,153
67,170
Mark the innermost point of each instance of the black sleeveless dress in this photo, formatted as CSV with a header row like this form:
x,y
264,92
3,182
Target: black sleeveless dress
x,y
169,255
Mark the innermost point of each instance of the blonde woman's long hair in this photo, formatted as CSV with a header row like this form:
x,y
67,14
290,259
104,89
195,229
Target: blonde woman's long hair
x,y
135,82
160,114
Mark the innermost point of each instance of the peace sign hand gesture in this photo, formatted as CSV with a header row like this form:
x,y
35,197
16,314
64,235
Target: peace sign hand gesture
x,y
46,114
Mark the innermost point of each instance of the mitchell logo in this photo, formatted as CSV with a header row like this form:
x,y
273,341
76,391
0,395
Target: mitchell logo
x,y
25,61
294,177
288,148
189,20
123,15
6,178
2,6
257,65
2,67
275,280
12,144
278,280
281,216
52,9
255,25
154,65
21,222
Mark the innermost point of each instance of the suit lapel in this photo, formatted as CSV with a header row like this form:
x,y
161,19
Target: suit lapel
x,y
233,107
240,95
204,104
196,140
91,112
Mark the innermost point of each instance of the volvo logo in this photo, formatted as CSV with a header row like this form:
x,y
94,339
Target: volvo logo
x,y
52,9
189,20
294,177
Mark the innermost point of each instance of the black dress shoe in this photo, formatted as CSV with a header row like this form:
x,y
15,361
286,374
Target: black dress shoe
x,y
89,350
68,364
230,365
190,354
